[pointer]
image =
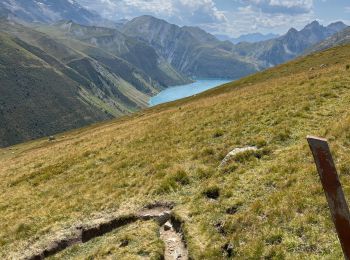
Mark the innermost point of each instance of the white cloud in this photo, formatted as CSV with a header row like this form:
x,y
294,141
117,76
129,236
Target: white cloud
x,y
267,16
178,11
281,6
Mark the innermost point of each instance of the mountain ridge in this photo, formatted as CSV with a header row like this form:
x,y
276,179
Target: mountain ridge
x,y
137,53
195,56
340,38
288,46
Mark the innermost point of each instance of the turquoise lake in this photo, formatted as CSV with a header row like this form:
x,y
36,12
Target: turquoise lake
x,y
178,92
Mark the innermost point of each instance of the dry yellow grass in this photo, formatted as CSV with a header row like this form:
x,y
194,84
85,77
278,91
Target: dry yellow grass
x,y
172,152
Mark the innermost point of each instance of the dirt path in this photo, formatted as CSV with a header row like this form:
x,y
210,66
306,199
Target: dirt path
x,y
170,233
175,247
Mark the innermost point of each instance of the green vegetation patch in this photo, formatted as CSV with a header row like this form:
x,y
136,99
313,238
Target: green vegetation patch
x,y
267,204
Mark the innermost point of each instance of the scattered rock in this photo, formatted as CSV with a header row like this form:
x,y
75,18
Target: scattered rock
x,y
232,210
175,247
124,243
160,211
236,151
52,138
323,66
167,226
220,228
311,69
161,215
228,250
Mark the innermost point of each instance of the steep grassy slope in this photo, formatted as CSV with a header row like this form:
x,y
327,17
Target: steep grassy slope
x,y
109,85
270,203
68,51
37,100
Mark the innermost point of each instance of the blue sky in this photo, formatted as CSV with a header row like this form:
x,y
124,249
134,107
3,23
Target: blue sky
x,y
230,17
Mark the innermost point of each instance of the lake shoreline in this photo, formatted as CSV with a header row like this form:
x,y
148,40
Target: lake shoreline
x,y
182,91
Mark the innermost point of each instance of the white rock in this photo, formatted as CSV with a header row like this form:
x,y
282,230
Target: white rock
x,y
167,226
236,151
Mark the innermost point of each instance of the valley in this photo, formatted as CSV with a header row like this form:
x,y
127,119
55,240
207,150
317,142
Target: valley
x,y
268,202
115,72
129,136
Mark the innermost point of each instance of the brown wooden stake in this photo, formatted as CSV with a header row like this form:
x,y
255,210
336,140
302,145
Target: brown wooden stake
x,y
333,190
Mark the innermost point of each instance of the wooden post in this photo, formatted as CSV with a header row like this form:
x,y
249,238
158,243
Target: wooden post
x,y
333,190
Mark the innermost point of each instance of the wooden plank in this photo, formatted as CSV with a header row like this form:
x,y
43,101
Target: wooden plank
x,y
333,190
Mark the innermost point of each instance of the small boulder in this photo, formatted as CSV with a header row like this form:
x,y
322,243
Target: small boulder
x,y
167,226
234,152
52,138
124,243
220,228
232,210
228,250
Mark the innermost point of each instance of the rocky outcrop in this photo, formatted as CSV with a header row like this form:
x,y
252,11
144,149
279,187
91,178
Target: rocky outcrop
x,y
235,152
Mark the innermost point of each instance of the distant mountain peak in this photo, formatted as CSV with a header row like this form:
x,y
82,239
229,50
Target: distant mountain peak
x,y
337,26
292,31
313,25
337,23
148,18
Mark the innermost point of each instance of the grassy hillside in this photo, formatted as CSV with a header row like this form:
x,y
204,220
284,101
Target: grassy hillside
x,y
269,203
37,100
117,44
104,85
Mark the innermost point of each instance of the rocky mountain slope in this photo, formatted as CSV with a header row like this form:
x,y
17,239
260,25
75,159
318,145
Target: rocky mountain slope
x,y
265,203
288,46
190,50
340,38
199,54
